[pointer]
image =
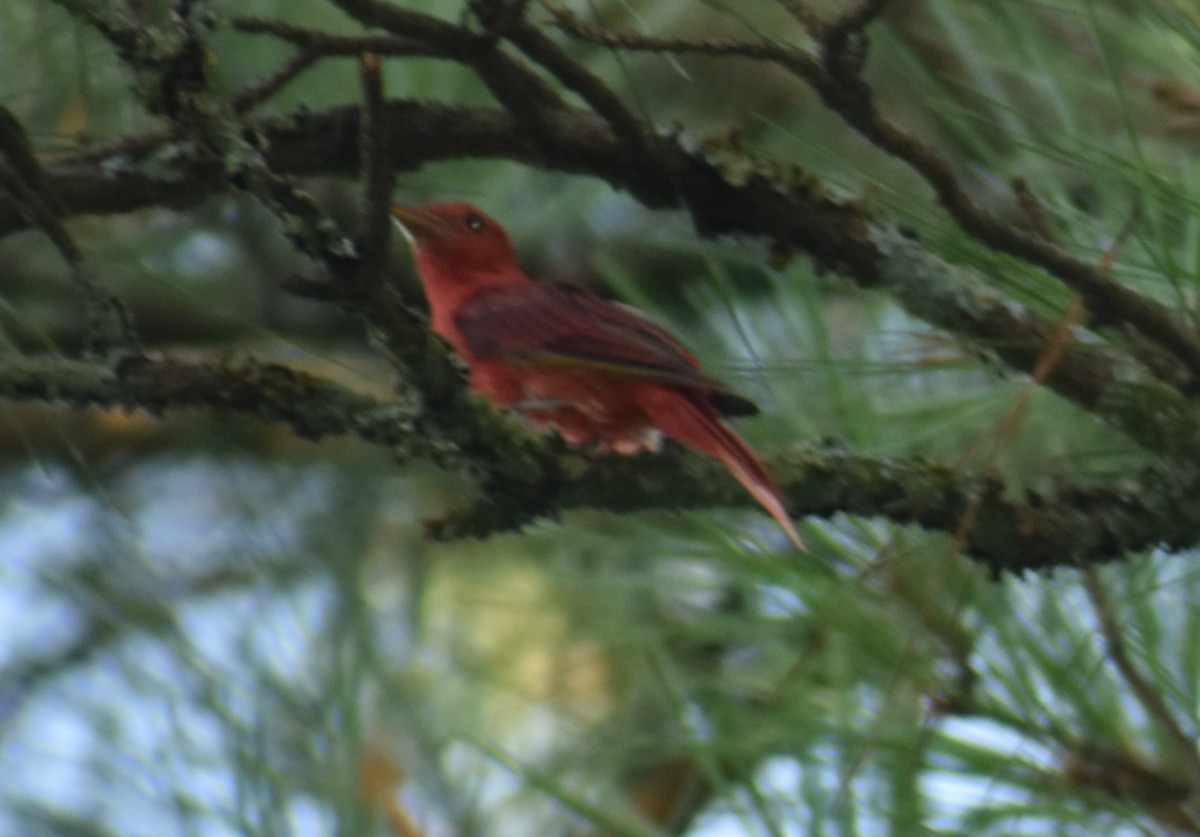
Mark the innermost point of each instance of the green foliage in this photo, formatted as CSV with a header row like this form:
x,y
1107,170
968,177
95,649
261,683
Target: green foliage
x,y
213,628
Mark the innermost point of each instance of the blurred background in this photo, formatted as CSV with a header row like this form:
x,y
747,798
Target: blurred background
x,y
211,627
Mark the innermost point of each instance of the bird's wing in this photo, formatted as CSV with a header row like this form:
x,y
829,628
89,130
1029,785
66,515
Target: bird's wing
x,y
549,324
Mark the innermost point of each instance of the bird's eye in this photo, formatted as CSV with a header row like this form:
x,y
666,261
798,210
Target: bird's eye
x,y
474,222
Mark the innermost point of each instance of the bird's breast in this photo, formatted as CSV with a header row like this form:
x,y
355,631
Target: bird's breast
x,y
586,407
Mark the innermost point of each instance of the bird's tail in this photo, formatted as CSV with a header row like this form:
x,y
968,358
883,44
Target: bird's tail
x,y
694,422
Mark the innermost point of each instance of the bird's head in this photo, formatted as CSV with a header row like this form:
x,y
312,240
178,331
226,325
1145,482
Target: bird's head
x,y
456,237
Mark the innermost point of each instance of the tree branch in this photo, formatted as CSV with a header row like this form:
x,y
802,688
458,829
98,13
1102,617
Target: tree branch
x,y
839,235
534,477
787,207
846,94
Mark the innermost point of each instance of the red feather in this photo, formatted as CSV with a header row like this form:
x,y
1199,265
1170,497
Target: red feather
x,y
542,324
599,371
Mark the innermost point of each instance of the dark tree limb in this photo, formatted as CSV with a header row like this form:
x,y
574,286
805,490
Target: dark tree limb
x,y
377,176
541,476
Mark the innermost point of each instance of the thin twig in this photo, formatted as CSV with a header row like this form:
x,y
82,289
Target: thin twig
x,y
313,45
28,183
806,17
852,22
514,85
721,47
577,78
1034,212
110,324
323,43
1149,697
407,23
250,97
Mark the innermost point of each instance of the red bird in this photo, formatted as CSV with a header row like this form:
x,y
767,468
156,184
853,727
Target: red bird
x,y
599,371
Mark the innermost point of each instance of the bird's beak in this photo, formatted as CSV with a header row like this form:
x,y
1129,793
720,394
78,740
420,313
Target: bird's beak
x,y
419,224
